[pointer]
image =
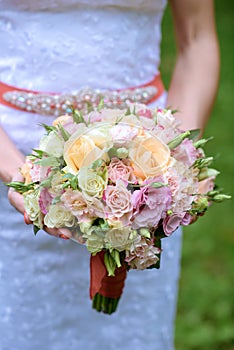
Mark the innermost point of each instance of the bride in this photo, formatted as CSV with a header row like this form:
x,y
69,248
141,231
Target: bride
x,y
57,47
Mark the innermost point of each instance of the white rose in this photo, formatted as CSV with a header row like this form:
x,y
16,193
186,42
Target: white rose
x,y
52,144
94,243
120,238
31,203
91,183
58,216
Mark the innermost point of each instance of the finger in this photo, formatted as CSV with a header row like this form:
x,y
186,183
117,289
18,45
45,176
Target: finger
x,y
64,233
60,233
51,231
16,200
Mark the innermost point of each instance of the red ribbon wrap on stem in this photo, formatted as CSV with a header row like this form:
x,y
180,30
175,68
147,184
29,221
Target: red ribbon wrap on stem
x,y
100,282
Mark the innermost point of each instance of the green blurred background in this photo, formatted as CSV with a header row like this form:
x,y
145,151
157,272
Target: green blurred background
x,y
205,319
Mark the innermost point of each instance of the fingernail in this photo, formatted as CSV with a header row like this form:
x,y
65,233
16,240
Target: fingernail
x,y
63,236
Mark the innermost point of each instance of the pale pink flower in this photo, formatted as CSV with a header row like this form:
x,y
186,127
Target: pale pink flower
x,y
39,173
184,186
173,221
142,254
166,119
93,117
185,152
45,200
150,205
165,134
120,170
122,134
206,185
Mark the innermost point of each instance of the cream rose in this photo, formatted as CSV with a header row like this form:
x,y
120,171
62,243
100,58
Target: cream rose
x,y
150,157
100,134
31,203
59,216
120,239
91,183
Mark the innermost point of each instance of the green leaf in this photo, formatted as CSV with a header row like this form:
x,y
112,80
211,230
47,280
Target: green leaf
x,y
112,152
56,200
110,264
200,143
101,105
78,117
194,134
128,111
39,153
65,134
48,161
35,229
158,184
178,139
48,128
21,187
115,255
203,162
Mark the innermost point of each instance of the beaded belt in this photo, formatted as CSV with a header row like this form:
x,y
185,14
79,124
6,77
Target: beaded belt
x,y
57,104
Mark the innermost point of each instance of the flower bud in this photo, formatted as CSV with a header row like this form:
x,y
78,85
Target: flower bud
x,y
201,204
220,197
207,172
144,232
122,152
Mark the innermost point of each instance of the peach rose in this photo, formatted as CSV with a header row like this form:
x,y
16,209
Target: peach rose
x,y
25,171
82,152
63,119
150,157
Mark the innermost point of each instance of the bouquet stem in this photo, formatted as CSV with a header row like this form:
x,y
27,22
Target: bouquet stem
x,y
105,305
105,291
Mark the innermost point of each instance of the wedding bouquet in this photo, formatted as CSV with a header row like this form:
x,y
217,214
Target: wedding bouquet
x,y
120,181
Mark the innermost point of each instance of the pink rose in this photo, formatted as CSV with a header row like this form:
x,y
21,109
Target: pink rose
x,y
120,169
118,202
74,201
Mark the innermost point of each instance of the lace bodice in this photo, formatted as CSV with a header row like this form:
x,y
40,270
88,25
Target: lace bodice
x,y
67,37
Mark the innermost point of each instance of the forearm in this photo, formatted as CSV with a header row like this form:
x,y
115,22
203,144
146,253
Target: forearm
x,y
11,159
195,78
194,83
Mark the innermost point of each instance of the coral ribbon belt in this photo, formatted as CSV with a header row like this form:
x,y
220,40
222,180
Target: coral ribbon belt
x,y
49,103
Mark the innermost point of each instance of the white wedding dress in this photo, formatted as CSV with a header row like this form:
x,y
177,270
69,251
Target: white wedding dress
x,y
61,46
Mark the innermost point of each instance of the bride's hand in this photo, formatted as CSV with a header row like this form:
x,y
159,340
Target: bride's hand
x,y
17,201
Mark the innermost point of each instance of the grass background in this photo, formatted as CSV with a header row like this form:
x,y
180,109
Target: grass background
x,y
205,319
